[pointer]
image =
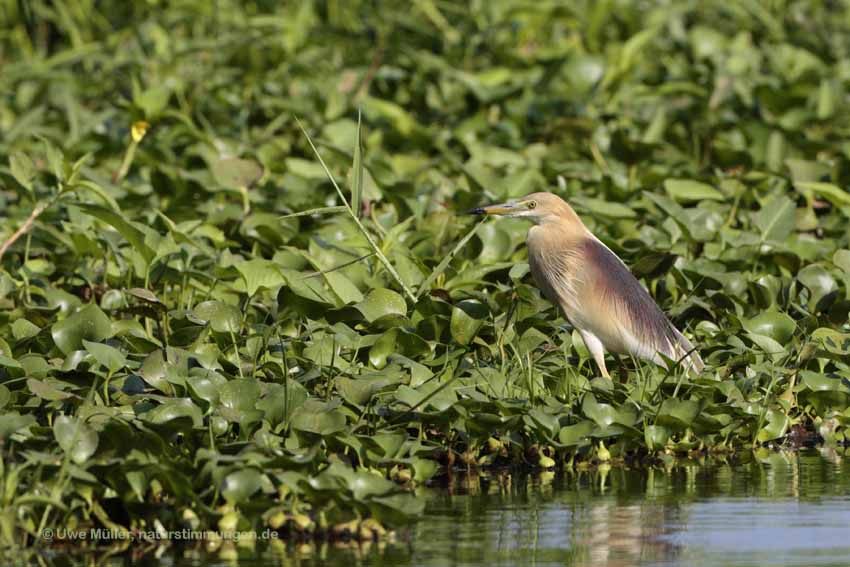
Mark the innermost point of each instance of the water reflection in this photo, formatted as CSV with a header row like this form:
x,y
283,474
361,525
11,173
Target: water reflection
x,y
768,509
772,509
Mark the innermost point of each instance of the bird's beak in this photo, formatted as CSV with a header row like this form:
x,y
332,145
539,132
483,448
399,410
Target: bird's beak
x,y
500,209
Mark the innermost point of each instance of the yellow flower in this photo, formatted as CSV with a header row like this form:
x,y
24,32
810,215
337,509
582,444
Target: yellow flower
x,y
138,130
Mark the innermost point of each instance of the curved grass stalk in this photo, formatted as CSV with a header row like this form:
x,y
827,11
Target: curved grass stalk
x,y
358,163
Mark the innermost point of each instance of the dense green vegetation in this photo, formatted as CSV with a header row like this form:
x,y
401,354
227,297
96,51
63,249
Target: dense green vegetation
x,y
228,300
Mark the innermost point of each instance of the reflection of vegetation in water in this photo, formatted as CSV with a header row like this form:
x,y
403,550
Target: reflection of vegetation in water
x,y
612,517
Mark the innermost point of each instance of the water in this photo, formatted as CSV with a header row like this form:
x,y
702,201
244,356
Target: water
x,y
775,509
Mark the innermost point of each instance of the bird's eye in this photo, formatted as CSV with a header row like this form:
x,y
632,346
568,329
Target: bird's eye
x,y
532,204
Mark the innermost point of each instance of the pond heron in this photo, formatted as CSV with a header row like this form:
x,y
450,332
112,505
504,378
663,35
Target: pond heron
x,y
595,290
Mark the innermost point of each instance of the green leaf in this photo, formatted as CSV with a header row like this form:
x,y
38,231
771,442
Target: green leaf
x,y
380,303
23,170
23,329
89,323
687,190
108,356
603,414
235,173
819,281
175,409
776,219
46,390
832,193
222,317
116,220
239,486
314,418
77,440
818,382
776,426
281,401
577,434
468,316
357,166
260,274
778,326
678,414
240,395
656,437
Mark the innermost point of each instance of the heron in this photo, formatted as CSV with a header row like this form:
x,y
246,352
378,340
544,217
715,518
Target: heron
x,y
593,287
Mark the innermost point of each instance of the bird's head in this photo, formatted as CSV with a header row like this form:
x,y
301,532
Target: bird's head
x,y
537,207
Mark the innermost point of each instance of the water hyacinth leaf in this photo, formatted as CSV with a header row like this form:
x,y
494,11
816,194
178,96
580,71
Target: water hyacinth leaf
x,y
145,295
281,400
77,440
687,190
576,434
547,421
8,362
468,316
604,208
775,220
433,394
383,347
23,170
240,394
108,356
380,303
89,323
424,469
832,340
46,391
239,486
313,418
131,233
13,422
769,346
773,324
236,173
260,274
656,437
678,413
221,317
603,414
833,193
819,281
175,409
841,258
776,425
23,329
817,382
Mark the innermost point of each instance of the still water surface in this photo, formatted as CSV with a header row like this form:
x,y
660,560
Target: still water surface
x,y
769,510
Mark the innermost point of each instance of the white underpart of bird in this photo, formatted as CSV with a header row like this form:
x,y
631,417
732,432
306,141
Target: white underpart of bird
x,y
593,287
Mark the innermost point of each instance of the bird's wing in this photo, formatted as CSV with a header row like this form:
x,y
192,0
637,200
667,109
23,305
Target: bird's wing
x,y
618,306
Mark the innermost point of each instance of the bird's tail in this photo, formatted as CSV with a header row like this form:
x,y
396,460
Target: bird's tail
x,y
683,349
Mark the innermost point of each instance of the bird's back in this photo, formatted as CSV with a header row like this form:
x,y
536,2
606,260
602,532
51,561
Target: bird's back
x,y
599,294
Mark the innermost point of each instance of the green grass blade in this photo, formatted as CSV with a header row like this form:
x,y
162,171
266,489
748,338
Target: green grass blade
x,y
357,186
316,211
372,244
